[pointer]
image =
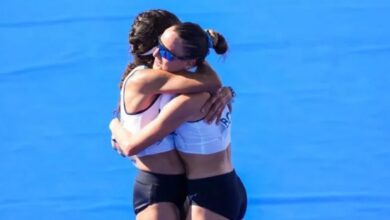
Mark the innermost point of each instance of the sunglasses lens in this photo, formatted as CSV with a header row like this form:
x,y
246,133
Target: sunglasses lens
x,y
166,54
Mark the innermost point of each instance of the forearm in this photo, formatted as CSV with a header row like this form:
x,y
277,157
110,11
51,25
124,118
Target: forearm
x,y
205,79
121,136
209,77
133,144
171,116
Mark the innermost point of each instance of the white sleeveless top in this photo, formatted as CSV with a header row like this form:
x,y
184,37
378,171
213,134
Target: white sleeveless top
x,y
134,122
199,137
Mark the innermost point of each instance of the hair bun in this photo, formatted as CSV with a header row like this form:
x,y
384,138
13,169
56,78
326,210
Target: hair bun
x,y
218,41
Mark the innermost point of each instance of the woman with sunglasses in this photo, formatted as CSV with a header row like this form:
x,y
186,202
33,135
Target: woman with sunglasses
x,y
160,186
215,191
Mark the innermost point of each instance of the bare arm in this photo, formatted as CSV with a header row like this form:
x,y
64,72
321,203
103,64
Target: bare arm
x,y
180,109
152,81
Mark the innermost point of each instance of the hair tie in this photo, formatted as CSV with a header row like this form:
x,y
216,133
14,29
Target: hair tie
x,y
209,38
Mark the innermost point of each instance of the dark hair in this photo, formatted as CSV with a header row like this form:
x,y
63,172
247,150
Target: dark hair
x,y
143,36
198,41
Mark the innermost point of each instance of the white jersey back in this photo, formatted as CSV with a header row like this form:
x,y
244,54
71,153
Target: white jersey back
x,y
134,122
199,137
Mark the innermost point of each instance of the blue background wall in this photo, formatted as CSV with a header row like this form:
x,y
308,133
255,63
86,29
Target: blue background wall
x,y
311,118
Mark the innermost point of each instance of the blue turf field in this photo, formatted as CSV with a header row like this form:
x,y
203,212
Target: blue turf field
x,y
311,135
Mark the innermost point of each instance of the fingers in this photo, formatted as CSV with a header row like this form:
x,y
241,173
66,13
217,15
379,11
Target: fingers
x,y
214,102
205,107
211,115
215,112
113,142
219,112
217,104
209,103
116,147
218,118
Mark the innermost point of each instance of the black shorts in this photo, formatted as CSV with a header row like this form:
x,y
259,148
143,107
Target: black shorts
x,y
151,188
224,194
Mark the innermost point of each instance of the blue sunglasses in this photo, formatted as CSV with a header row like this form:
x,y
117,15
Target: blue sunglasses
x,y
168,55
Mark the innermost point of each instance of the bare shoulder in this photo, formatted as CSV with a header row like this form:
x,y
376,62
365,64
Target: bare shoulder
x,y
145,80
144,75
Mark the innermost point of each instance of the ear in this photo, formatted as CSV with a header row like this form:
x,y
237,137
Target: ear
x,y
190,63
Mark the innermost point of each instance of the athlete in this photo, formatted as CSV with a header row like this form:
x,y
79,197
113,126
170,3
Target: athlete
x,y
160,186
215,191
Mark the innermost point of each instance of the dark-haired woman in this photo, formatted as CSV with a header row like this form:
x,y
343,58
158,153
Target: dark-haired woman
x,y
214,189
160,186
